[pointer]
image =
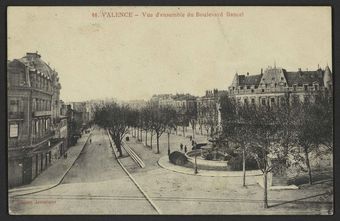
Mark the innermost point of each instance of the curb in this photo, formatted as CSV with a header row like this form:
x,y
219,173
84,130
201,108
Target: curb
x,y
200,174
133,180
62,178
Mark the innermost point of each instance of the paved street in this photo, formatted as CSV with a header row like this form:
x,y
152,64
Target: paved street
x,y
176,193
96,184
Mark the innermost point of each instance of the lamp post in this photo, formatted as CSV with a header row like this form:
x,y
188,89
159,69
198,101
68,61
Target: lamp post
x,y
196,171
169,131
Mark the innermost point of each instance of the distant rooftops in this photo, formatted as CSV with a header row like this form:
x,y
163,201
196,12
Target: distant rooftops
x,y
280,75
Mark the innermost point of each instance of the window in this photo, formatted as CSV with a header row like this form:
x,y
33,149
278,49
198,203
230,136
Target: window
x,y
305,87
253,101
13,130
282,101
252,90
316,87
281,78
246,101
241,88
294,87
306,99
36,127
263,101
272,100
262,90
13,106
248,87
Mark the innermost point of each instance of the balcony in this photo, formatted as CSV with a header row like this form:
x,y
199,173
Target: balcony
x,y
41,113
46,136
16,115
16,143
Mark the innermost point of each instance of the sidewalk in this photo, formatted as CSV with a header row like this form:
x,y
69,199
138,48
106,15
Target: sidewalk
x,y
54,174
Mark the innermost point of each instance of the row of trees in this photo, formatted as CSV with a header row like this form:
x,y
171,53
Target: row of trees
x,y
119,119
273,135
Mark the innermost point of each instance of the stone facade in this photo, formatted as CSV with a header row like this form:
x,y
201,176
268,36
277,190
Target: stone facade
x,y
270,86
32,89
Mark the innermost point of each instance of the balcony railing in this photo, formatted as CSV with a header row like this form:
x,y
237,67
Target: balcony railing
x,y
16,115
15,143
47,135
41,113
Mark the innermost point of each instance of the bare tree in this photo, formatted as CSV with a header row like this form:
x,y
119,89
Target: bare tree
x,y
115,119
235,120
315,124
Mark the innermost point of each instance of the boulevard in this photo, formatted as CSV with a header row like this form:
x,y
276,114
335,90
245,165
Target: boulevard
x,y
96,184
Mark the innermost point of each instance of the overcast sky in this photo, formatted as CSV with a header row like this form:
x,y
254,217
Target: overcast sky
x,y
134,58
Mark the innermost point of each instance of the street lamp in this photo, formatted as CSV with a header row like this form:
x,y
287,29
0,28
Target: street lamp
x,y
196,171
168,141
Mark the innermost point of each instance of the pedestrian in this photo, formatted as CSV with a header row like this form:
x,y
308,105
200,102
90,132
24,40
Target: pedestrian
x,y
181,146
90,141
185,148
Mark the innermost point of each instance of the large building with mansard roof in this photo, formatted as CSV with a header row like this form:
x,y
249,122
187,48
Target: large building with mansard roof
x,y
272,84
33,90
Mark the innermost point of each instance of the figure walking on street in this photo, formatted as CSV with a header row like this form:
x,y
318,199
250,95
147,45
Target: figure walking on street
x,y
181,146
185,148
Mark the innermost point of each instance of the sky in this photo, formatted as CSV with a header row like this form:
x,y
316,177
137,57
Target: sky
x,y
135,57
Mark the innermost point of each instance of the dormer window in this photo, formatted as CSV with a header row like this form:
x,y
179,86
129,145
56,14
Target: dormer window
x,y
316,87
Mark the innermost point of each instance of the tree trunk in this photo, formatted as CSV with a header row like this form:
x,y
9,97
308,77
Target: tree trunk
x,y
157,136
151,140
308,166
168,143
146,138
183,131
265,188
176,129
141,136
119,148
244,166
193,132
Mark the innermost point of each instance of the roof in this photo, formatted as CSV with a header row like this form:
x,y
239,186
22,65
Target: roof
x,y
249,80
304,77
34,61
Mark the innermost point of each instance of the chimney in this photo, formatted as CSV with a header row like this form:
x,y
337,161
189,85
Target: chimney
x,y
261,70
299,69
247,73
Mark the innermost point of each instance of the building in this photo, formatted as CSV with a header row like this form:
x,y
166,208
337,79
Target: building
x,y
271,86
33,97
136,104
